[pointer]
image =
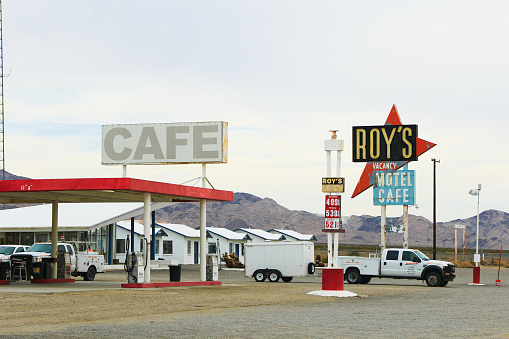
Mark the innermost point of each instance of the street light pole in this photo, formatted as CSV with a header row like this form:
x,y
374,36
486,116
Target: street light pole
x,y
435,209
477,259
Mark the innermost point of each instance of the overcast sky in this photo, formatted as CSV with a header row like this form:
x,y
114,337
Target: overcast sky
x,y
281,73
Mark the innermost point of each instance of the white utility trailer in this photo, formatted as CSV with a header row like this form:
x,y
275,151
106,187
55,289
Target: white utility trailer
x,y
279,260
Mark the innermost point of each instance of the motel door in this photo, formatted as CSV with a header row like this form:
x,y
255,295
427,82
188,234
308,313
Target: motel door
x,y
196,251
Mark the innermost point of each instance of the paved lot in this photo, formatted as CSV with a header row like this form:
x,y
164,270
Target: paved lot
x,y
242,308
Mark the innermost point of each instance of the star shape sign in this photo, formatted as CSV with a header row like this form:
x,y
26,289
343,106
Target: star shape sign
x,y
367,180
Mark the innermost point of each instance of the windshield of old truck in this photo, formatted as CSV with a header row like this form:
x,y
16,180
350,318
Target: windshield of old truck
x,y
6,250
40,248
422,255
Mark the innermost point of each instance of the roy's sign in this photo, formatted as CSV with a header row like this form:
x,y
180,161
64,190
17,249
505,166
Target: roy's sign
x,y
384,143
187,142
394,188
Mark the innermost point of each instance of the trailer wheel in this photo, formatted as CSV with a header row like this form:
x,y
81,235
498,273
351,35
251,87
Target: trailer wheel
x,y
311,268
286,279
259,276
433,279
90,275
353,276
274,276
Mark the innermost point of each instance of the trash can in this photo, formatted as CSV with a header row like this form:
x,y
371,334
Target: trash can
x,y
175,271
5,270
37,270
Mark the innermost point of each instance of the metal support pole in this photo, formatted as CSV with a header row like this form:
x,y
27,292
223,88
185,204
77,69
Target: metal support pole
x,y
434,208
54,238
477,237
456,245
203,229
463,244
405,226
146,234
330,261
383,222
335,246
124,171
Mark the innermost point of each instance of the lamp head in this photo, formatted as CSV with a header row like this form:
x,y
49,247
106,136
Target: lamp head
x,y
473,192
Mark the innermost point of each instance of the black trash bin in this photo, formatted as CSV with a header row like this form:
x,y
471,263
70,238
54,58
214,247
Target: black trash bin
x,y
37,270
5,271
175,271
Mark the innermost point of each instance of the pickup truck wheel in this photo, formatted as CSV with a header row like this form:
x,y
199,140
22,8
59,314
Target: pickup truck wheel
x,y
365,280
353,276
286,279
259,276
433,279
274,276
90,275
443,284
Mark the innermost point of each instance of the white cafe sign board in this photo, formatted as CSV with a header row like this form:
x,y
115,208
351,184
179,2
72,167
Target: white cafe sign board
x,y
166,143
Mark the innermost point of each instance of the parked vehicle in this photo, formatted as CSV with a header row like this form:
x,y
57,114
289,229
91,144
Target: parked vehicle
x,y
85,262
397,264
279,260
7,250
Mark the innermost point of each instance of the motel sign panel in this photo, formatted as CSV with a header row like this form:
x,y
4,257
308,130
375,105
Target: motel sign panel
x,y
394,187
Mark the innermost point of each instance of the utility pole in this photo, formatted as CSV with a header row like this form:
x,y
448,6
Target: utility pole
x,y
435,208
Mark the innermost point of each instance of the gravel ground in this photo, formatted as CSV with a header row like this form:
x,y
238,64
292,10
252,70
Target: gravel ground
x,y
242,308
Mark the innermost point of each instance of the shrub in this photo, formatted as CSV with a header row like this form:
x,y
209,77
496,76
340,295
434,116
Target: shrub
x,y
232,260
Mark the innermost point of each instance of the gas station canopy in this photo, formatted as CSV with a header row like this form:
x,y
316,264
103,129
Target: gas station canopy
x,y
102,190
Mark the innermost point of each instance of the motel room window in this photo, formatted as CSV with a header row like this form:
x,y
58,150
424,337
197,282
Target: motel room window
x,y
212,248
189,247
231,248
120,246
167,247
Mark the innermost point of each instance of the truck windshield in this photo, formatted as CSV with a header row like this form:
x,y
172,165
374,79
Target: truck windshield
x,y
421,255
6,250
40,248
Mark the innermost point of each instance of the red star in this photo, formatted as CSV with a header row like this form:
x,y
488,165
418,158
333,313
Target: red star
x,y
365,180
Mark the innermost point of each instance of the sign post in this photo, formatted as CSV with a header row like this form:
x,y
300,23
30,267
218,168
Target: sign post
x,y
386,149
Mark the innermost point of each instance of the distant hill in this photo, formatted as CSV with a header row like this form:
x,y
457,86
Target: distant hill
x,y
247,210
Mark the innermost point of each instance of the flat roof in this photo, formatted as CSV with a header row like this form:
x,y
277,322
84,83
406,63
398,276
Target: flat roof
x,y
83,190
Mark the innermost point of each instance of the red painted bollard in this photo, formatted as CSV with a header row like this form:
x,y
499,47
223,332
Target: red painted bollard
x,y
332,279
477,275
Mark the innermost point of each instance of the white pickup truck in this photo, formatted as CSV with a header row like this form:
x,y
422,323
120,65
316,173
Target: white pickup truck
x,y
397,264
84,262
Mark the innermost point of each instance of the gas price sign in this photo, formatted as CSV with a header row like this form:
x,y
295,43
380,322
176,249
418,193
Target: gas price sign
x,y
332,213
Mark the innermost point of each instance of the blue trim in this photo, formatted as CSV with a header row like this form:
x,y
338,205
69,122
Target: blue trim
x,y
152,247
110,244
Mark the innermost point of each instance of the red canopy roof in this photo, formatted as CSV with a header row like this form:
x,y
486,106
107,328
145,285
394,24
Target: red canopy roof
x,y
102,190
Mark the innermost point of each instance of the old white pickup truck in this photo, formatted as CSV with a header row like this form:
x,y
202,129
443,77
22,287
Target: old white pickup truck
x,y
397,264
85,262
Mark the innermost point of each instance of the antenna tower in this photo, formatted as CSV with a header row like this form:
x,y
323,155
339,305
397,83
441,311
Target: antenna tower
x,y
2,125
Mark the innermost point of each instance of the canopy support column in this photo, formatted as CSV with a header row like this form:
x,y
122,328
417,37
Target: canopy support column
x,y
54,238
146,235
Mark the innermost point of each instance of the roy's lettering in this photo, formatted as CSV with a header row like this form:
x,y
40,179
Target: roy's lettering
x,y
384,143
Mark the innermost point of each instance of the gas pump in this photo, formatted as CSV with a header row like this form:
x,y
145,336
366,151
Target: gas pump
x,y
134,266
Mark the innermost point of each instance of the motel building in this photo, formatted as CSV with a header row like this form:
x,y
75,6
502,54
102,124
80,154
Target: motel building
x,y
112,225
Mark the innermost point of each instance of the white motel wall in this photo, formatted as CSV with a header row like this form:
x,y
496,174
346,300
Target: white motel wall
x,y
110,225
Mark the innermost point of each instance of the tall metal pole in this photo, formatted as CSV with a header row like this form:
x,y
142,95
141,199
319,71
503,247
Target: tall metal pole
x,y
203,228
477,237
434,209
2,125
